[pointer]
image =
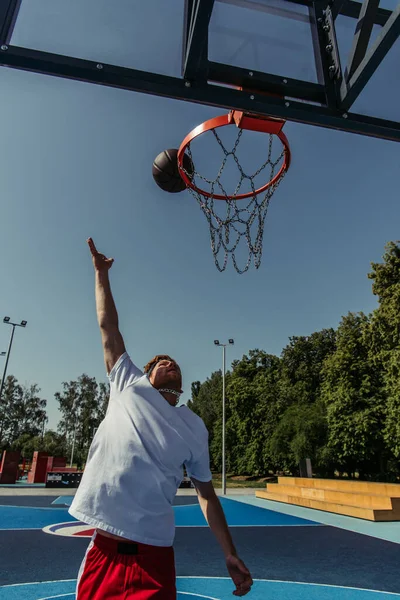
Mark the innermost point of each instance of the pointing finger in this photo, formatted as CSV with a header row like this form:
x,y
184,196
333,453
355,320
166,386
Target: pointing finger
x,y
92,247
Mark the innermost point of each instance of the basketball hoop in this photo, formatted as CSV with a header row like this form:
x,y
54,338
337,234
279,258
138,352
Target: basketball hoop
x,y
244,211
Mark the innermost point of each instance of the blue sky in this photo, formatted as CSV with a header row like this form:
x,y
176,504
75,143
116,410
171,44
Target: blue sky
x,y
76,162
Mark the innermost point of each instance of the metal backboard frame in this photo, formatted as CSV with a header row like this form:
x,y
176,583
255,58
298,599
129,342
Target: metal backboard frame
x,y
327,103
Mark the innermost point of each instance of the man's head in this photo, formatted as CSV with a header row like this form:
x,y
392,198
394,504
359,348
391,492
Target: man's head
x,y
164,372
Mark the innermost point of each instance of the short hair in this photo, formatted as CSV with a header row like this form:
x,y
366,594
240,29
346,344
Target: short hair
x,y
152,363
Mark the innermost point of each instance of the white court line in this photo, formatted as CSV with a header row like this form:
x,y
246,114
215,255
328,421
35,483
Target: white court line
x,y
58,596
177,527
37,583
58,498
46,528
328,585
31,507
197,595
24,529
186,594
232,526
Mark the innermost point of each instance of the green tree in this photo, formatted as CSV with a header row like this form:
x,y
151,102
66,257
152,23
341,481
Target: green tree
x,y
83,404
385,342
22,411
353,397
51,442
27,444
300,429
301,365
254,409
11,391
206,402
102,401
301,433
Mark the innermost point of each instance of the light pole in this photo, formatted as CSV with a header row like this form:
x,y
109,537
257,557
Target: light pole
x,y
14,325
73,448
74,436
43,426
217,343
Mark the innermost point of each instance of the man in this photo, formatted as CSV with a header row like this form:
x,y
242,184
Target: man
x,y
134,468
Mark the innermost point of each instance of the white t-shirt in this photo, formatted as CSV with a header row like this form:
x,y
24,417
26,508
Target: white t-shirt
x,y
135,462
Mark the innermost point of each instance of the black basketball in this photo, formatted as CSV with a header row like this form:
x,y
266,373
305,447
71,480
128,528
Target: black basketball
x,y
166,172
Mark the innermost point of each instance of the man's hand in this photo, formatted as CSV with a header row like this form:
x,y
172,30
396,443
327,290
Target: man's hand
x,y
101,263
240,575
214,515
107,316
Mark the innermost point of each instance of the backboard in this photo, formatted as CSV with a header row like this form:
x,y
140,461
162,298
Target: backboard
x,y
331,64
312,52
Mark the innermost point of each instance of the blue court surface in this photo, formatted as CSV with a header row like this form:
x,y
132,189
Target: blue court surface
x,y
289,556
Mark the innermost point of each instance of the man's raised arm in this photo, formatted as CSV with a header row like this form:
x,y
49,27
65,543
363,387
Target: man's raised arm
x,y
107,316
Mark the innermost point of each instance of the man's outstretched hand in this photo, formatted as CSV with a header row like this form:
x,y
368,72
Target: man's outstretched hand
x,y
240,575
100,261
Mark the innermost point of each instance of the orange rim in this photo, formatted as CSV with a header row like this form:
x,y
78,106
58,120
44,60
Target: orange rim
x,y
222,121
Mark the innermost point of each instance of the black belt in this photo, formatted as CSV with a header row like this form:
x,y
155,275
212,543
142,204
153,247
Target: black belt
x,y
127,548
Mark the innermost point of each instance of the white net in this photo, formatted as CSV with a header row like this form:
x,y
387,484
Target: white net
x,y
235,219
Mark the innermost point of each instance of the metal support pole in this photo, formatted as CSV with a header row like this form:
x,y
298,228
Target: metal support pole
x,y
387,37
9,10
6,365
217,343
207,93
223,422
74,436
73,447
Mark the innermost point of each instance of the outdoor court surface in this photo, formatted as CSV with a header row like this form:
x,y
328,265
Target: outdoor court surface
x,y
293,553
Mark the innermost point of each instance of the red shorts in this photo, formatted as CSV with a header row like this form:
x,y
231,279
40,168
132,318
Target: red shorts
x,y
113,570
